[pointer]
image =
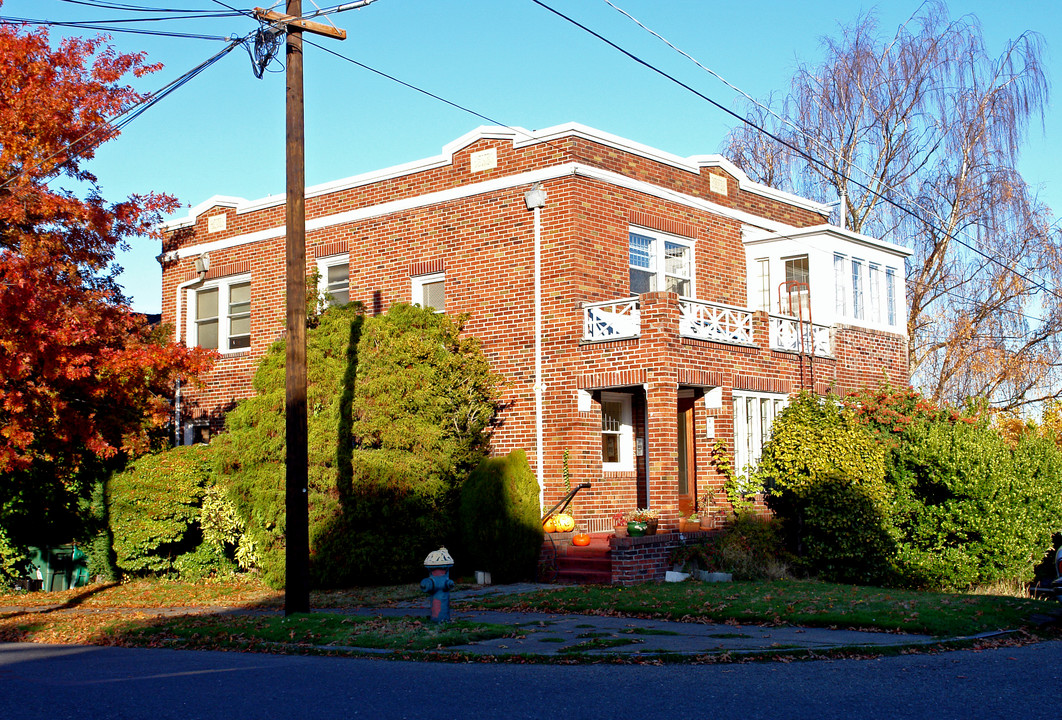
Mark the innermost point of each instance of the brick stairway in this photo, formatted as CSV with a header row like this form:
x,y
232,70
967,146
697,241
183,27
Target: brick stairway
x,y
583,565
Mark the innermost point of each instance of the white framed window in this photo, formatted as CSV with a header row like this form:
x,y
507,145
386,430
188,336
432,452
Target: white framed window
x,y
857,289
890,295
798,290
874,284
334,286
840,285
220,317
617,432
754,415
429,291
660,262
763,284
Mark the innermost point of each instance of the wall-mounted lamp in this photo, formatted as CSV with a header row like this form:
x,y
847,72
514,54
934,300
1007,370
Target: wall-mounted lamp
x,y
535,197
202,263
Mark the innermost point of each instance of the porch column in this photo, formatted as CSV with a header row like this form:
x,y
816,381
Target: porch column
x,y
660,341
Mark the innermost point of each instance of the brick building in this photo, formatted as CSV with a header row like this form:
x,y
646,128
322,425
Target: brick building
x,y
678,302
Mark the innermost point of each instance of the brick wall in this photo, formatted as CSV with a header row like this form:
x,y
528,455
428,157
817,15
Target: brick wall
x,y
477,230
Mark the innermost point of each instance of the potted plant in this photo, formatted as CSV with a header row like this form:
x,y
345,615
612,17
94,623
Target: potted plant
x,y
707,504
619,524
643,521
689,524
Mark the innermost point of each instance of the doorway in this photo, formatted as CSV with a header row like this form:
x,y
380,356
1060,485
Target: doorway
x,y
687,456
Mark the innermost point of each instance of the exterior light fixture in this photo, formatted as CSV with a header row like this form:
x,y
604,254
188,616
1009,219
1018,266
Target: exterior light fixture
x,y
535,198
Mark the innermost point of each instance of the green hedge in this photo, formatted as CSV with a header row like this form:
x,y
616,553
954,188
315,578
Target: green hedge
x,y
500,520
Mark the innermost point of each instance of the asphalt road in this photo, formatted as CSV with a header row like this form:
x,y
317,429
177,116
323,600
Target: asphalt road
x,y
55,682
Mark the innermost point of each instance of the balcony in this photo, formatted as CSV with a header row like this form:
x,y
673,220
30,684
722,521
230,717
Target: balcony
x,y
622,320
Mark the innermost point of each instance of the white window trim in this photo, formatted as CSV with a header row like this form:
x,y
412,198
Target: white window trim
x,y
417,290
323,263
659,256
749,431
222,285
626,435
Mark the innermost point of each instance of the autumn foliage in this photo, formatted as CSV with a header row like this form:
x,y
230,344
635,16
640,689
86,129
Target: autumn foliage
x,y
82,378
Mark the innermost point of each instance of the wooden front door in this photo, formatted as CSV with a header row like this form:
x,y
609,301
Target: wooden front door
x,y
687,457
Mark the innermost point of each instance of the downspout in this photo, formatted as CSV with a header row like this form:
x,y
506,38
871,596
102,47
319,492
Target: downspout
x,y
202,265
535,199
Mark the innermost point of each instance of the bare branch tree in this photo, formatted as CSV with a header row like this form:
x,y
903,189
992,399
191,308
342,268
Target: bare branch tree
x,y
921,134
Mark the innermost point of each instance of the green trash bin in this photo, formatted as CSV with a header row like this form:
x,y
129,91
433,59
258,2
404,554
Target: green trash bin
x,y
59,568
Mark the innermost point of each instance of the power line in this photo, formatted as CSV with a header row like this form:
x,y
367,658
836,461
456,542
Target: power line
x,y
109,128
108,29
811,159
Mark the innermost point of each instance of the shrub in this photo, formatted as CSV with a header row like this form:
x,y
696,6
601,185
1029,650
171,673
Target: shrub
x,y
13,561
750,547
826,476
400,408
500,520
153,506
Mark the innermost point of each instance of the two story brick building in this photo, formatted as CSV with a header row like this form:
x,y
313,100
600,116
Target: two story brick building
x,y
641,306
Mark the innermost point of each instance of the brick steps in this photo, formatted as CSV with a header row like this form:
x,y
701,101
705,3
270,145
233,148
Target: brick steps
x,y
582,565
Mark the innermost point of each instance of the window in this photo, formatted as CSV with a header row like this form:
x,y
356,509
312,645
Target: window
x,y
754,415
335,279
840,285
763,284
798,300
196,434
890,295
874,281
222,315
660,262
617,432
857,289
430,291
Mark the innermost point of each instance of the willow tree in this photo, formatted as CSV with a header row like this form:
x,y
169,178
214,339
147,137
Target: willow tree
x,y
919,132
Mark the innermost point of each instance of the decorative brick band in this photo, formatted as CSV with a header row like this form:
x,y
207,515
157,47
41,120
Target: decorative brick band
x,y
762,384
701,378
655,222
236,268
623,378
427,268
741,349
336,247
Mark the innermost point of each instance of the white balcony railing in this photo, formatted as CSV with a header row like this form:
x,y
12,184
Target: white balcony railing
x,y
786,332
613,320
720,323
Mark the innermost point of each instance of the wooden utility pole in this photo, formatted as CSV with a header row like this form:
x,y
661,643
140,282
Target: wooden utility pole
x,y
297,535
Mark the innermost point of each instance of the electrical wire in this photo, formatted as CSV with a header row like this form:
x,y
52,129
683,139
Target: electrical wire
x,y
109,128
110,29
811,159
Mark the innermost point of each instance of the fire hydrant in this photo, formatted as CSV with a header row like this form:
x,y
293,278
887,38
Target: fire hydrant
x,y
438,583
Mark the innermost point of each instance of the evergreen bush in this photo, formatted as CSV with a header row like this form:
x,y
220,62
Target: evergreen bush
x,y
500,520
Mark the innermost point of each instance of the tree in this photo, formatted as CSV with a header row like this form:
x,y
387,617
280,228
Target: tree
x,y
401,407
920,135
83,379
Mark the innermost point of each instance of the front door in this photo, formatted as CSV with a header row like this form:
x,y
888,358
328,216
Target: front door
x,y
687,460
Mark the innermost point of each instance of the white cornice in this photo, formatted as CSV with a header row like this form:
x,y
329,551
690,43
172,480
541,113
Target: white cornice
x,y
758,236
519,138
489,186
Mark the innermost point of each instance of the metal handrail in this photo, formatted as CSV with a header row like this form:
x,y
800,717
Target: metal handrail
x,y
565,501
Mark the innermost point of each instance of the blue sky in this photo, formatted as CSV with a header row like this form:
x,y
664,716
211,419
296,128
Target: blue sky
x,y
509,60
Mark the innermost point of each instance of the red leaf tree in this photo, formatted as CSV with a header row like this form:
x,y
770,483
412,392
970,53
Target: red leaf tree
x,y
82,378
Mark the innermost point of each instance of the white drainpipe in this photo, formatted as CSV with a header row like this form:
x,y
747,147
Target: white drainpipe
x,y
535,199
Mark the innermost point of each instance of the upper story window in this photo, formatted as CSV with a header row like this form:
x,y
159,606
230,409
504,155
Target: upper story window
x,y
797,292
617,432
429,291
865,291
222,314
762,287
335,279
660,262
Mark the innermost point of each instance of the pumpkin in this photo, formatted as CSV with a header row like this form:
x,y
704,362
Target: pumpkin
x,y
564,522
550,525
581,539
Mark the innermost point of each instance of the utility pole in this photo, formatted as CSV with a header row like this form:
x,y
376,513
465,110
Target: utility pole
x,y
297,535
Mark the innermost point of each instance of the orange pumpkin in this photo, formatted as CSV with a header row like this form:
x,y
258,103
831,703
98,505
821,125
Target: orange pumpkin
x,y
581,539
564,522
550,525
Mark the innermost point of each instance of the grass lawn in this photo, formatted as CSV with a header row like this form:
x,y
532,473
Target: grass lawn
x,y
794,602
243,614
